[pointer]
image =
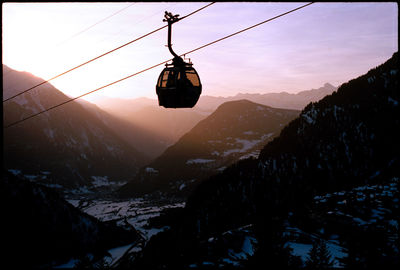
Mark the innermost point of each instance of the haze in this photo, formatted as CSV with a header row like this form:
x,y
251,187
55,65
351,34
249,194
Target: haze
x,y
324,42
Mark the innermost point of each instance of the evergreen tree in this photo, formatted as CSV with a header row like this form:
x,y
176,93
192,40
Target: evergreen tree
x,y
319,256
85,262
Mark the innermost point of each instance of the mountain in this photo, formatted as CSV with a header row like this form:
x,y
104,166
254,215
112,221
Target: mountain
x,y
125,107
146,141
236,130
277,100
168,124
171,124
41,230
330,179
67,146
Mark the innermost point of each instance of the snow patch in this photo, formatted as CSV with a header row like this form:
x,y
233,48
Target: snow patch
x,y
394,223
49,132
182,186
246,145
21,100
248,247
110,148
199,161
393,101
30,177
310,115
100,181
371,79
85,139
215,153
117,253
14,172
150,170
300,250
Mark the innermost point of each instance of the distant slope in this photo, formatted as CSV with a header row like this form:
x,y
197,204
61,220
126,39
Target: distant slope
x,y
168,124
70,143
148,142
236,130
40,229
171,124
276,100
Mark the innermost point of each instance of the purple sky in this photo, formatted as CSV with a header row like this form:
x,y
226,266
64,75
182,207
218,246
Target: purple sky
x,y
324,42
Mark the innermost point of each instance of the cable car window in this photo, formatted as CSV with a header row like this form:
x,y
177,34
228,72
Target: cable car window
x,y
171,79
163,78
168,79
193,78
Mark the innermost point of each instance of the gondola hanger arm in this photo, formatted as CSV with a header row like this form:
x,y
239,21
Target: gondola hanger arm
x,y
170,18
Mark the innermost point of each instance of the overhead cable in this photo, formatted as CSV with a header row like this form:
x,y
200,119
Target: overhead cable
x,y
137,73
100,56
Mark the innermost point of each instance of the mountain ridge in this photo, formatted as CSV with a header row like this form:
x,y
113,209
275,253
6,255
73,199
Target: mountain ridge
x,y
146,113
69,143
235,130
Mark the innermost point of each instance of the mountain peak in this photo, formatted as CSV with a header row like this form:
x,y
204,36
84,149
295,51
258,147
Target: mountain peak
x,y
328,85
241,103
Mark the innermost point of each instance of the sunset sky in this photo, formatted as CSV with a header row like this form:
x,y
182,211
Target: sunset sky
x,y
324,42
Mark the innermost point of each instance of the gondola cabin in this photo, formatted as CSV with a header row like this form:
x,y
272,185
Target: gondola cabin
x,y
178,86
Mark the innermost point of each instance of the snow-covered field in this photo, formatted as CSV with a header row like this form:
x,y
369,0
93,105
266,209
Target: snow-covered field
x,y
134,212
129,213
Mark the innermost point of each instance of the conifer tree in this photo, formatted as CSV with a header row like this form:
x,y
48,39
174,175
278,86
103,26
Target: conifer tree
x,y
319,256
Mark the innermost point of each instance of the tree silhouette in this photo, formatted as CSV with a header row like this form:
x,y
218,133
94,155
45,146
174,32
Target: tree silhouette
x,y
319,256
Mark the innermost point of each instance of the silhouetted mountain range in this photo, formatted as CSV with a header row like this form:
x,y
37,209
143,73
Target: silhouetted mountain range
x,y
145,140
171,124
69,144
276,100
329,157
236,130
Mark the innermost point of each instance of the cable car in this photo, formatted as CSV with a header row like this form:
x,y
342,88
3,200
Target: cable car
x,y
178,85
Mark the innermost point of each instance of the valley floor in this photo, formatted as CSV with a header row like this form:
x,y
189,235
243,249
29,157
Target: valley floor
x,y
132,214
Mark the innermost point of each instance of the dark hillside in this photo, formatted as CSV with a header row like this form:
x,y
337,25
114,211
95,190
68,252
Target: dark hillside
x,y
40,229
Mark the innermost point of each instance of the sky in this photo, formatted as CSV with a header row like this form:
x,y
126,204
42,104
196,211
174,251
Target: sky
x,y
321,43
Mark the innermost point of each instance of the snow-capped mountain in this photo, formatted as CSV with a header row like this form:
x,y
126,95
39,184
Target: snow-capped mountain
x,y
67,146
42,230
236,130
330,177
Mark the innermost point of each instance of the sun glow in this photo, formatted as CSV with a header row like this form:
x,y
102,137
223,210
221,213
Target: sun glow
x,y
290,54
